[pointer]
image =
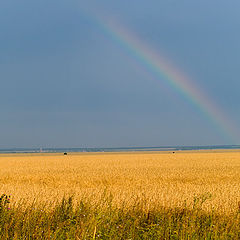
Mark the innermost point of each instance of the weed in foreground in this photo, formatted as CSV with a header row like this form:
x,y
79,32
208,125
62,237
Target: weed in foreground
x,y
84,220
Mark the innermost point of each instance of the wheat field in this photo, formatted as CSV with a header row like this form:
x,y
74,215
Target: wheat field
x,y
158,179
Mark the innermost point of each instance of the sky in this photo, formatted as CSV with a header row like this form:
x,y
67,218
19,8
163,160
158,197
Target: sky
x,y
67,82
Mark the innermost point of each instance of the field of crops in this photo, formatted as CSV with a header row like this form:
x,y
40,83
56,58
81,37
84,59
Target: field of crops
x,y
186,195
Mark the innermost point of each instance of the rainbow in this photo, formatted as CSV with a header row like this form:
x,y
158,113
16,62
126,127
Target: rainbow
x,y
161,68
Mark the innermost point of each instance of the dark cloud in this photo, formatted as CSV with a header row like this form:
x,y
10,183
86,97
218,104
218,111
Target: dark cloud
x,y
65,82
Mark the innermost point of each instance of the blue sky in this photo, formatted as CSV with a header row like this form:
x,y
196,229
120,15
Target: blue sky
x,y
66,83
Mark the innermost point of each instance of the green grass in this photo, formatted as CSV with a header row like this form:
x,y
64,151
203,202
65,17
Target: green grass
x,y
85,220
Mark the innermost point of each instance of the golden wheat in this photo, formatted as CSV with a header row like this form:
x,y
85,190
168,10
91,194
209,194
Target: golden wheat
x,y
156,178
